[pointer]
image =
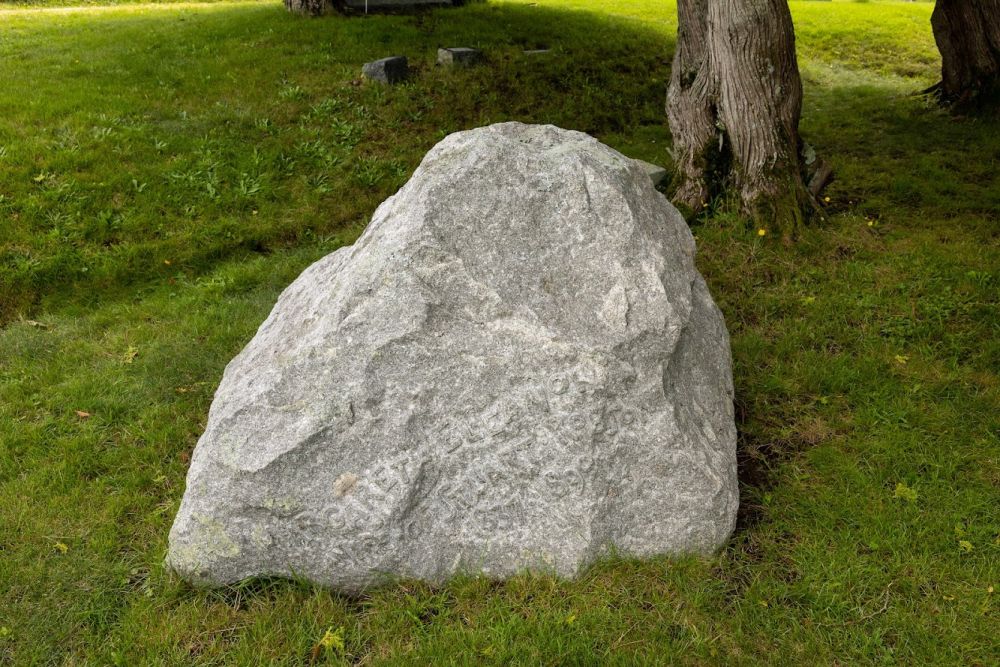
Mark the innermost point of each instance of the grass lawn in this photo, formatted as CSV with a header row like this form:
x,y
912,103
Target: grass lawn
x,y
165,170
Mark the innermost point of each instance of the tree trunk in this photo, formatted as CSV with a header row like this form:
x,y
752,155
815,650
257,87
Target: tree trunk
x,y
967,33
733,105
310,7
699,143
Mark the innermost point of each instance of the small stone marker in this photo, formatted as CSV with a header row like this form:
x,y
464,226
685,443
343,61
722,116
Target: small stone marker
x,y
656,173
387,70
459,57
367,6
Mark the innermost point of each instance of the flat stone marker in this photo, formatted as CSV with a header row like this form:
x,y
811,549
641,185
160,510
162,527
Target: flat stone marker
x,y
387,70
517,366
656,173
459,57
383,5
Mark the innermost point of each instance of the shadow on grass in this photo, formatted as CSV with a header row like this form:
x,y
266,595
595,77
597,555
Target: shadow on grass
x,y
757,459
225,131
899,156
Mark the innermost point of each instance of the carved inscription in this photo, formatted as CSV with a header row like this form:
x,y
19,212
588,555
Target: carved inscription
x,y
481,475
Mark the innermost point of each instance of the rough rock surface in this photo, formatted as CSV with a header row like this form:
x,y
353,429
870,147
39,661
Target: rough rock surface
x,y
516,366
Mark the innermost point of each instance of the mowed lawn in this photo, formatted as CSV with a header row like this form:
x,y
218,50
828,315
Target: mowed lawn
x,y
165,170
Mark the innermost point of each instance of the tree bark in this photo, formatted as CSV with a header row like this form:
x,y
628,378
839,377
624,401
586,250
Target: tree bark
x,y
311,7
734,103
699,143
967,33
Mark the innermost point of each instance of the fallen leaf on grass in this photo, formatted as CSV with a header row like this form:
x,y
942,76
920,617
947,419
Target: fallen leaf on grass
x,y
82,415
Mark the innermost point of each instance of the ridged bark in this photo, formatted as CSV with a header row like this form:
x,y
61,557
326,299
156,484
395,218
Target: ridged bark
x,y
691,110
733,105
967,33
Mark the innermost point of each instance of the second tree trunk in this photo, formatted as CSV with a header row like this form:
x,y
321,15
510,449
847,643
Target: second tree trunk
x,y
967,33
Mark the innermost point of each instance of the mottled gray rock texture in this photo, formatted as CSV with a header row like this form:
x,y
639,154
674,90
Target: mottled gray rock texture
x,y
515,367
460,57
387,70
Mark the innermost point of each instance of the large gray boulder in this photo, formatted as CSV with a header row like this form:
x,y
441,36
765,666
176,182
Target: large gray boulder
x,y
516,366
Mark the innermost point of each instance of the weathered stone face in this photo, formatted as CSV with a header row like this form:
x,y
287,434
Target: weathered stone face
x,y
460,57
657,174
383,5
393,69
516,366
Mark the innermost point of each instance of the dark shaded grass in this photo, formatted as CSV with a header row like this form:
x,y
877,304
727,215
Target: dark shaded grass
x,y
190,139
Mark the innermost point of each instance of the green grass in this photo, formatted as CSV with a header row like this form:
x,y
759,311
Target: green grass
x,y
166,170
